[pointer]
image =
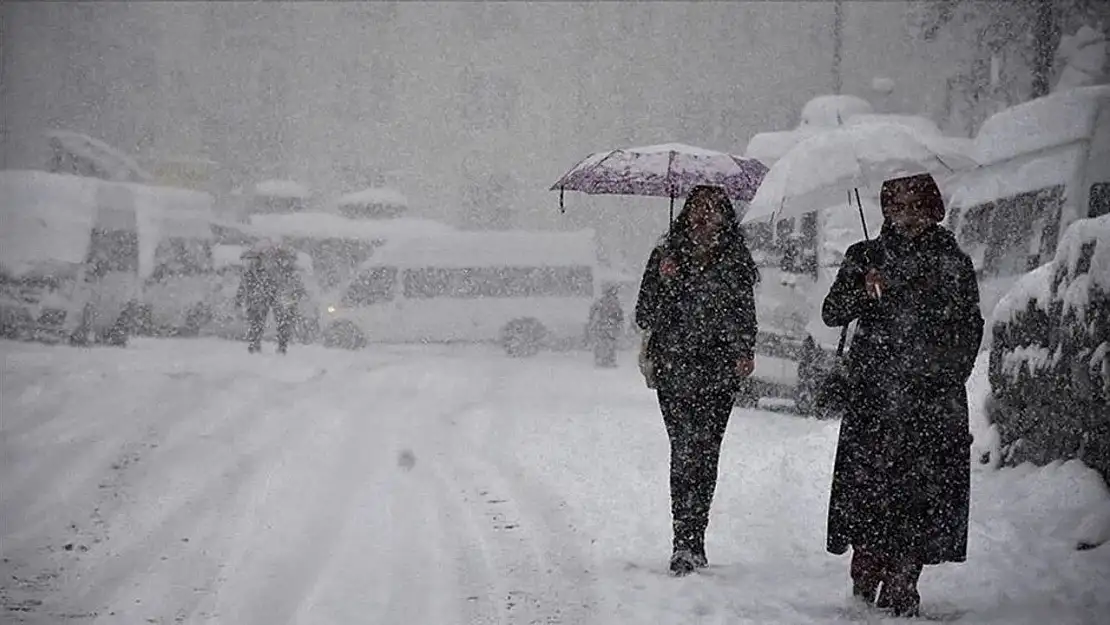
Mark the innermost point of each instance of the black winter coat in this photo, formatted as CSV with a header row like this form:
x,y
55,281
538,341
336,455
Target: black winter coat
x,y
901,483
701,320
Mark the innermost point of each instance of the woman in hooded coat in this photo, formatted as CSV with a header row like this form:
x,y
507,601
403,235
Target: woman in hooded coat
x,y
697,302
901,482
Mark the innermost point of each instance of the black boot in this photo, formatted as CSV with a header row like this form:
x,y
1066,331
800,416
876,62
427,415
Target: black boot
x,y
899,595
683,562
867,571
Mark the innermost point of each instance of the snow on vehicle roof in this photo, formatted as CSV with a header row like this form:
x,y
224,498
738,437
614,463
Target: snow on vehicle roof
x,y
332,226
282,188
830,111
1008,179
118,164
922,125
1056,119
380,195
491,249
768,147
46,219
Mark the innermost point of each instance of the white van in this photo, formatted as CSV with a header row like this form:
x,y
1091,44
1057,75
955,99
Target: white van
x,y
1043,164
524,290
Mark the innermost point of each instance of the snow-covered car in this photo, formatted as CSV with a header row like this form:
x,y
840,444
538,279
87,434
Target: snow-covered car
x,y
1043,165
1050,355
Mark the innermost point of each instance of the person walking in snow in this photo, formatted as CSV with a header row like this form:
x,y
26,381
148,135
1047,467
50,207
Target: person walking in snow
x,y
901,481
605,325
270,283
697,302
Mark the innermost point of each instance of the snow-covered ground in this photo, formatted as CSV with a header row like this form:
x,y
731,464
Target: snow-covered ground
x,y
187,482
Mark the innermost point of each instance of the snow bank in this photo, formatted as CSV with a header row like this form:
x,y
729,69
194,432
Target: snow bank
x,y
488,249
1056,119
1035,286
383,195
117,165
331,226
282,189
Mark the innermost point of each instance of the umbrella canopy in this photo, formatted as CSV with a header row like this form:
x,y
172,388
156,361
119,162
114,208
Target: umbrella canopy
x,y
667,170
833,163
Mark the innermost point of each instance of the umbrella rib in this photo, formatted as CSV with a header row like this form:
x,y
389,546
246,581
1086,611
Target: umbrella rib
x,y
597,164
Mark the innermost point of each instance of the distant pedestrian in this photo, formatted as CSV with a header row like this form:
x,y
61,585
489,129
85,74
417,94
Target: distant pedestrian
x,y
605,326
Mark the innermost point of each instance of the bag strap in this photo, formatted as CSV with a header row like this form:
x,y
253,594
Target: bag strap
x,y
843,340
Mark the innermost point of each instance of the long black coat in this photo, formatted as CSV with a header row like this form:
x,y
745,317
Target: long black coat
x,y
701,320
901,483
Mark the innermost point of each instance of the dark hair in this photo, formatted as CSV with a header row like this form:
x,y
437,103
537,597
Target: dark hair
x,y
922,184
732,242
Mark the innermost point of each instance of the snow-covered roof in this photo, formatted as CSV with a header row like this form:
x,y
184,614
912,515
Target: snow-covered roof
x,y
329,225
491,249
830,111
1056,119
381,195
282,188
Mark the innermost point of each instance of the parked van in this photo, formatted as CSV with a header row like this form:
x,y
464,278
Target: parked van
x,y
1043,165
524,290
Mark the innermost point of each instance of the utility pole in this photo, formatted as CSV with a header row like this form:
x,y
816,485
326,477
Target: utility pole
x,y
838,44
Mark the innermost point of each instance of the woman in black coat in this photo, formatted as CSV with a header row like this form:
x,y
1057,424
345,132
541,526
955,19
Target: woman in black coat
x,y
697,302
901,483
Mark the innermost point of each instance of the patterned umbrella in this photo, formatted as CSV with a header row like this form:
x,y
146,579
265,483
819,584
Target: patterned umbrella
x,y
667,170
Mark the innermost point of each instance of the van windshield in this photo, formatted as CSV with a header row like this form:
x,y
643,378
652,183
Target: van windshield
x,y
376,285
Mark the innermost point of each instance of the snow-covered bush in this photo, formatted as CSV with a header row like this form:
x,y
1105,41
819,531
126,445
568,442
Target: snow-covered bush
x,y
1049,361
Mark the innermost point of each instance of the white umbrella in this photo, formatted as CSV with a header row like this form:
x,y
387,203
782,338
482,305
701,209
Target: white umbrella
x,y
836,162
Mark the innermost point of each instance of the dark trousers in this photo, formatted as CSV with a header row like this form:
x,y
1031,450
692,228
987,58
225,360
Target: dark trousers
x,y
696,427
605,351
284,316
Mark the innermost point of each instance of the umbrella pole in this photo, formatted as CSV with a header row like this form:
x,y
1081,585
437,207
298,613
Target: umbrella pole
x,y
562,208
859,205
671,222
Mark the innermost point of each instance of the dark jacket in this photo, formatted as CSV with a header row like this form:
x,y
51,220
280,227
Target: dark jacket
x,y
257,288
901,482
701,320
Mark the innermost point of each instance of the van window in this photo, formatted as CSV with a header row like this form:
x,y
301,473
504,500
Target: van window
x,y
1099,203
179,256
113,250
376,285
475,282
1022,230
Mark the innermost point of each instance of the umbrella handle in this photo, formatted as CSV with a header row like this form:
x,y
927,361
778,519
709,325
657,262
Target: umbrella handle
x,y
562,208
859,205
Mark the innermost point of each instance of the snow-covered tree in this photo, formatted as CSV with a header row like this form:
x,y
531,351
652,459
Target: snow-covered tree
x,y
1083,59
1016,48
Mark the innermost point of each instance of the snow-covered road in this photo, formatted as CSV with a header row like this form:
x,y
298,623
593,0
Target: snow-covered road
x,y
188,482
